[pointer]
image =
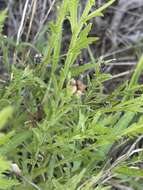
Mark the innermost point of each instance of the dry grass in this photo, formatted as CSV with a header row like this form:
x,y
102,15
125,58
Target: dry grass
x,y
120,31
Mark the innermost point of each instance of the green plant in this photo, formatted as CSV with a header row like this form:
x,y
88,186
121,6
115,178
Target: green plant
x,y
61,140
5,183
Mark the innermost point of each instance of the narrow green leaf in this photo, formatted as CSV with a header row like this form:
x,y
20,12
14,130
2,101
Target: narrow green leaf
x,y
129,171
3,15
4,165
73,8
137,73
5,114
98,12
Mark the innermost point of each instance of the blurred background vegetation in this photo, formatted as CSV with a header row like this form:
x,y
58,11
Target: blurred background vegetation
x,y
120,32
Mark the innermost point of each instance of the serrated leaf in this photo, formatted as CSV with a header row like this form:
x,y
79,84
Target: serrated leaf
x,y
98,12
75,71
85,31
73,8
83,43
133,130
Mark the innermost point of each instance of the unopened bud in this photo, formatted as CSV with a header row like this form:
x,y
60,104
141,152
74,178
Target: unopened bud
x,y
15,169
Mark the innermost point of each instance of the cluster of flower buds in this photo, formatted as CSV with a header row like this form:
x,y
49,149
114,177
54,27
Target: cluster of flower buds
x,y
77,87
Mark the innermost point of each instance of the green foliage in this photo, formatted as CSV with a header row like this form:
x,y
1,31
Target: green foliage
x,y
4,115
60,140
5,183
